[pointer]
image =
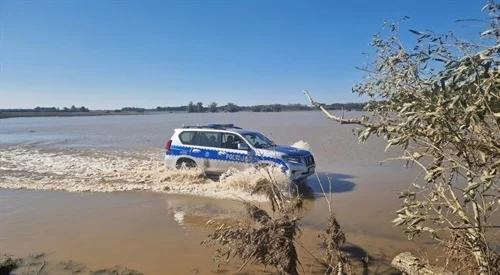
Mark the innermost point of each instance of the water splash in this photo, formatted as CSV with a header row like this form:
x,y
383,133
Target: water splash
x,y
301,145
98,171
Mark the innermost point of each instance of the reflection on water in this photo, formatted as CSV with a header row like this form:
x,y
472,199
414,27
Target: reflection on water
x,y
330,183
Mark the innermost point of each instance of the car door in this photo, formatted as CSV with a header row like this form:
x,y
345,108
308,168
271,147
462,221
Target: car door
x,y
205,149
230,154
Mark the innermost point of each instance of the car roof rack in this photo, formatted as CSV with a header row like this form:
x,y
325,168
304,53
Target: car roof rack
x,y
212,126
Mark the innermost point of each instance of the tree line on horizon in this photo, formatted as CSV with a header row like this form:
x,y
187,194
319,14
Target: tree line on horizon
x,y
231,107
199,107
73,108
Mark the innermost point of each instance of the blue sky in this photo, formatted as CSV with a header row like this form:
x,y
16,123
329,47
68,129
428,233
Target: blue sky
x,y
109,54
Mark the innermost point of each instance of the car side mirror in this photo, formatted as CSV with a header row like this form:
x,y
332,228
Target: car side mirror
x,y
243,146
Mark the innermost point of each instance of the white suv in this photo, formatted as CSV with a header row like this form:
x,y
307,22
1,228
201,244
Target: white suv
x,y
217,147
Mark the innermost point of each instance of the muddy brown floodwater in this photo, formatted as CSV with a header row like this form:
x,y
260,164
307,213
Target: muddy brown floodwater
x,y
129,217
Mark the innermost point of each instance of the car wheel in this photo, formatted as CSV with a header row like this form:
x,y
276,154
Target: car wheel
x,y
185,163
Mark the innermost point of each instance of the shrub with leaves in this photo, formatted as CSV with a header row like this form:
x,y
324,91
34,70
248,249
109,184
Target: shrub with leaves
x,y
439,102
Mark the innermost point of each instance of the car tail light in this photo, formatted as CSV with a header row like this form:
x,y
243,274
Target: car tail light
x,y
168,144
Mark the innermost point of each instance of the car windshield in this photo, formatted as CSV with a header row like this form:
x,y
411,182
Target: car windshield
x,y
258,140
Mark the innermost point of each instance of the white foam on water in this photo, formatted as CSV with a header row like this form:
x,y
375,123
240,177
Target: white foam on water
x,y
301,145
179,217
31,168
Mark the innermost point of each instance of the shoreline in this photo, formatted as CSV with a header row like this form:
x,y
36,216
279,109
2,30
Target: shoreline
x,y
5,115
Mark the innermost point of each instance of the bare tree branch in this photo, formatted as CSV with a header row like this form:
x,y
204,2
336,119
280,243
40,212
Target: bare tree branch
x,y
329,115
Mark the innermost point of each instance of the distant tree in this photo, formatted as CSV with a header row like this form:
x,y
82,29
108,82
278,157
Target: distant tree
x,y
199,107
65,109
212,107
73,108
190,107
83,109
231,107
345,106
46,109
256,108
133,109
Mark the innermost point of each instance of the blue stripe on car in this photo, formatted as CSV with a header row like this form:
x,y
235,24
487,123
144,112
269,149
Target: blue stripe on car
x,y
205,153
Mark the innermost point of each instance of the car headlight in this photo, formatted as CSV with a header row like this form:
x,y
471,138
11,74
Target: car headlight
x,y
292,159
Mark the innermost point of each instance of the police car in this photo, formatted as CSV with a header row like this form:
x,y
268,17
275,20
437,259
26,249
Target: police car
x,y
215,148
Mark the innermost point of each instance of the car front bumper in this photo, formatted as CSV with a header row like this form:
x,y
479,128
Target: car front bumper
x,y
297,173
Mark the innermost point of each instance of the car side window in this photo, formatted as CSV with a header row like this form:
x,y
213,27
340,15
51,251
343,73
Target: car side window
x,y
230,141
188,137
208,139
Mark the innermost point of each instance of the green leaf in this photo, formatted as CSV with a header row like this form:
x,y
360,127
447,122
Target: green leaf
x,y
398,221
417,155
472,187
483,156
415,32
488,32
387,147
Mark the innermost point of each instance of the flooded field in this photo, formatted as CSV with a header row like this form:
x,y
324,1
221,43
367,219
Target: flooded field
x,y
153,224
